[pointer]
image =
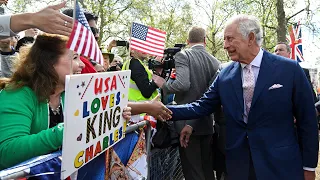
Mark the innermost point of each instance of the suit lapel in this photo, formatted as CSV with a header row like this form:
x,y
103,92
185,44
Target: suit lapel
x,y
235,75
265,76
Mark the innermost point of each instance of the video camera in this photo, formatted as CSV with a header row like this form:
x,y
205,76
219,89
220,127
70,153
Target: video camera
x,y
168,62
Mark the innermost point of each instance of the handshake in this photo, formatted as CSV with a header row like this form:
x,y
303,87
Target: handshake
x,y
158,110
154,108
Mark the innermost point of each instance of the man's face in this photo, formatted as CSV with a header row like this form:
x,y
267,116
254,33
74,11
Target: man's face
x,y
94,28
105,61
281,50
234,43
5,43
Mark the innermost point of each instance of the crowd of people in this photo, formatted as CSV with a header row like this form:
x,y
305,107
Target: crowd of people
x,y
252,118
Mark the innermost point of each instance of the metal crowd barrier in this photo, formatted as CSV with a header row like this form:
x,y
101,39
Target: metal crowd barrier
x,y
136,126
165,164
21,172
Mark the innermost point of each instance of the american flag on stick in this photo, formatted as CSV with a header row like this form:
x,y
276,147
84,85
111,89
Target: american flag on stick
x,y
148,40
82,39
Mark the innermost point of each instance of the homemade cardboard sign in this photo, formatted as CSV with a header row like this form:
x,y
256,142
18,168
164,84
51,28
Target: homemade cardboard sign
x,y
93,119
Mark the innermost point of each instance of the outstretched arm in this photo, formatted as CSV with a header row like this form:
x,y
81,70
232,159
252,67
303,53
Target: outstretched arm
x,y
154,108
49,20
200,108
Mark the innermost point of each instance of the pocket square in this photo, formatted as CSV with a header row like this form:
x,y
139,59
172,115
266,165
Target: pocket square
x,y
275,86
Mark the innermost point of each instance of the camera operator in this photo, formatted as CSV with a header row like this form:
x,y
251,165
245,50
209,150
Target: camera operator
x,y
142,88
195,68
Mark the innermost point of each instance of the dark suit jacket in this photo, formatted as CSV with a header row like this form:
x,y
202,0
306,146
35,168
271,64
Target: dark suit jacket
x,y
306,72
220,122
195,67
269,137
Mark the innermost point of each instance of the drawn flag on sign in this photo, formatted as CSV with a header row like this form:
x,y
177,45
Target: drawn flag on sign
x,y
295,42
82,39
148,40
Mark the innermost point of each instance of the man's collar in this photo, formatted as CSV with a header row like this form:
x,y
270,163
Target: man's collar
x,y
196,45
256,61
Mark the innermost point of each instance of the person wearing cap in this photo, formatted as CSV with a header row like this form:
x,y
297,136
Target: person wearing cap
x,y
107,58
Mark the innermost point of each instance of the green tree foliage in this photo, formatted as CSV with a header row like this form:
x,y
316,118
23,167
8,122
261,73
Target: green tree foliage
x,y
177,16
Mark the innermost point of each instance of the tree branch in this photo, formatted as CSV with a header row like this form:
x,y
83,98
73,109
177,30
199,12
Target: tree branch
x,y
270,27
305,9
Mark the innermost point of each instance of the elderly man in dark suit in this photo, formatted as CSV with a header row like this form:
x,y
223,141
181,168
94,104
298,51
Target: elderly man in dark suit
x,y
195,67
261,94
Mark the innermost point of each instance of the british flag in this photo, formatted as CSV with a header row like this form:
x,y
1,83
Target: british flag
x,y
295,42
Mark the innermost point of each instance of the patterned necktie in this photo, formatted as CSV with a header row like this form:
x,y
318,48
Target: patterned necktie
x,y
248,86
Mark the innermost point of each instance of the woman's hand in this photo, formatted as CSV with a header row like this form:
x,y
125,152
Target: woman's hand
x,y
126,113
158,110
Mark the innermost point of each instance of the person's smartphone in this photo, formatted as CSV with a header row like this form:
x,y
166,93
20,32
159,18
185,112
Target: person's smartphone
x,y
121,43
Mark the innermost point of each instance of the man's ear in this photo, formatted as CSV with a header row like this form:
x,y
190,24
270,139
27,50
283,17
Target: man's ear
x,y
252,38
187,42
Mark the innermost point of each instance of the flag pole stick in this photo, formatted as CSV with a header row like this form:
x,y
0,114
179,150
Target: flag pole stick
x,y
74,17
130,35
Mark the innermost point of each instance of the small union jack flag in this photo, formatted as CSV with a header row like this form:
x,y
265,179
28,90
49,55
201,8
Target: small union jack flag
x,y
295,42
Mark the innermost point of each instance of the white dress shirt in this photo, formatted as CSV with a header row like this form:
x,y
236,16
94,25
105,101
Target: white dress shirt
x,y
5,30
255,65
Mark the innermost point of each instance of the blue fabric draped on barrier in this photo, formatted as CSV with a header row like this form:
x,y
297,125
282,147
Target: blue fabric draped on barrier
x,y
49,166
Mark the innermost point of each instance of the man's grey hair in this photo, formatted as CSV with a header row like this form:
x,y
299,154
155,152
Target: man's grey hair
x,y
246,25
287,46
197,35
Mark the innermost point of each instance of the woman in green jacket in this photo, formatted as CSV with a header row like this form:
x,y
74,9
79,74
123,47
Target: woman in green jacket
x,y
31,101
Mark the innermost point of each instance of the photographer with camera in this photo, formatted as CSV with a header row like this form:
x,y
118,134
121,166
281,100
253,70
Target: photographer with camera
x,y
142,88
195,68
115,61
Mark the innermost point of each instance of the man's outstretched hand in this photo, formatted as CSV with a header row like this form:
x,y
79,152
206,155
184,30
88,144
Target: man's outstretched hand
x,y
49,20
158,110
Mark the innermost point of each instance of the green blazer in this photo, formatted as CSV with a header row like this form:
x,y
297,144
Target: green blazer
x,y
24,127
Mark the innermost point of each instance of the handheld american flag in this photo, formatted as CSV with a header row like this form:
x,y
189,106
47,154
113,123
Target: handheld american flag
x,y
295,42
148,40
82,39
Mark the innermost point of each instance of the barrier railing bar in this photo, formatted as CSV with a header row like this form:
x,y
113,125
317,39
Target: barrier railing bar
x,y
136,126
148,146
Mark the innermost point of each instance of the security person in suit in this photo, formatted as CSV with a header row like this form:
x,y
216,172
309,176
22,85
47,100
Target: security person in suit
x,y
195,67
261,94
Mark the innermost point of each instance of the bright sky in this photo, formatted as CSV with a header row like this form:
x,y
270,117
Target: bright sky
x,y
310,41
